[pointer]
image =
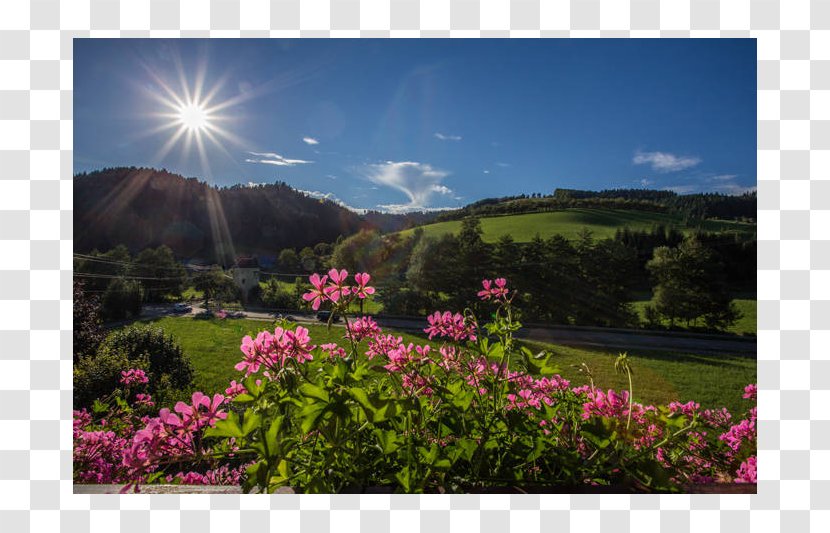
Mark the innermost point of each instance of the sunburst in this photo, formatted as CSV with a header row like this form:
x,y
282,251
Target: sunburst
x,y
192,115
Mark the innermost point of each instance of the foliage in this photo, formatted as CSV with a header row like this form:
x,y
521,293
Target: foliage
x,y
122,299
690,285
159,272
273,295
137,346
87,332
215,285
475,411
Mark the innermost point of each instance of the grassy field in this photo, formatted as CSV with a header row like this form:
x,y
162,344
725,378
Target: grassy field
x,y
746,325
660,377
569,222
213,347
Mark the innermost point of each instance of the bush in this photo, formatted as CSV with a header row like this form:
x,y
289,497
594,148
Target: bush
x,y
137,346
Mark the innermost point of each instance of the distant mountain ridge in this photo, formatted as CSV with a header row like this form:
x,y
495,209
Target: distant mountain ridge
x,y
145,207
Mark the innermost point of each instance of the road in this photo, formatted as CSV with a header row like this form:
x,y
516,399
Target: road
x,y
564,335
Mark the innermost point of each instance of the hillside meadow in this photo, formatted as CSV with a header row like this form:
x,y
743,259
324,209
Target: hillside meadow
x,y
603,223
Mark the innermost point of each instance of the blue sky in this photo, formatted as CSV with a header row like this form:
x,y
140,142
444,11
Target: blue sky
x,y
403,125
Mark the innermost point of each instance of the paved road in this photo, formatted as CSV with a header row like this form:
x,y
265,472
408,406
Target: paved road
x,y
568,336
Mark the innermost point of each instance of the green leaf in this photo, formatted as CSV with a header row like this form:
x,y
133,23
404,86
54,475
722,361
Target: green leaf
x,y
468,448
310,414
243,398
404,478
252,388
251,422
310,390
229,427
388,440
377,409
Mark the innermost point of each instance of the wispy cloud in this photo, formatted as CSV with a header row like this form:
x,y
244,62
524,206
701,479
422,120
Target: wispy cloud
x,y
645,182
332,198
310,140
400,209
418,181
724,177
445,137
270,158
664,161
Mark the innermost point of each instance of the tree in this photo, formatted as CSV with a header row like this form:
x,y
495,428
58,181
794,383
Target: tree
x,y
690,285
273,295
288,262
87,332
215,285
308,260
159,272
121,299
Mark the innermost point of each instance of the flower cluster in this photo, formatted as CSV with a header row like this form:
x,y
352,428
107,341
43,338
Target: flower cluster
x,y
273,351
133,376
453,326
336,289
362,328
495,289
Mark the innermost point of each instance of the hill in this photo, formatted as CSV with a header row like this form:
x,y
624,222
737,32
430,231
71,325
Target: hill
x,y
569,222
144,207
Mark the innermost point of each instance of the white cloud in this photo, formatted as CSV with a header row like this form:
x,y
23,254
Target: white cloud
x,y
664,161
400,209
645,182
445,137
418,181
310,140
270,158
503,165
724,177
332,198
486,171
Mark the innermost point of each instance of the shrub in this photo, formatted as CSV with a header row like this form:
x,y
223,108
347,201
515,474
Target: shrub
x,y
137,346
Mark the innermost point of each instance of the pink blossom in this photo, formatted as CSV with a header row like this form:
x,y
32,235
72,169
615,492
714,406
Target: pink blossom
x,y
144,400
132,376
383,345
318,294
748,471
234,390
500,290
362,328
487,293
450,325
361,290
333,350
751,391
337,288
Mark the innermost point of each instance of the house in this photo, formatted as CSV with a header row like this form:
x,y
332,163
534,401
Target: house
x,y
245,272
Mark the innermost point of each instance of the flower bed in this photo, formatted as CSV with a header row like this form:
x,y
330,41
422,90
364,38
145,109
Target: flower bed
x,y
471,411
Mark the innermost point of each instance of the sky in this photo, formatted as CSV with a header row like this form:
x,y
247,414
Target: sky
x,y
407,125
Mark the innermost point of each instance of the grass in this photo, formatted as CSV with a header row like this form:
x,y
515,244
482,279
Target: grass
x,y
569,222
746,325
659,377
213,345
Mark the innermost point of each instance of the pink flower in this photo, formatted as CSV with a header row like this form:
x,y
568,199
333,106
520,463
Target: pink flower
x,y
361,290
450,325
333,350
486,293
132,376
234,390
500,290
748,471
318,294
362,328
337,287
144,399
750,391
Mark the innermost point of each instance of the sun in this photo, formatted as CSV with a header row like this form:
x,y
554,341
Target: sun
x,y
194,117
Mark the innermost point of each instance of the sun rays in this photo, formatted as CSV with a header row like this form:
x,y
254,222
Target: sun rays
x,y
193,115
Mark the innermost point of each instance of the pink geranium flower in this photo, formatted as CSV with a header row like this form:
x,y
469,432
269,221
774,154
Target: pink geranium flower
x,y
361,290
337,288
486,293
318,294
